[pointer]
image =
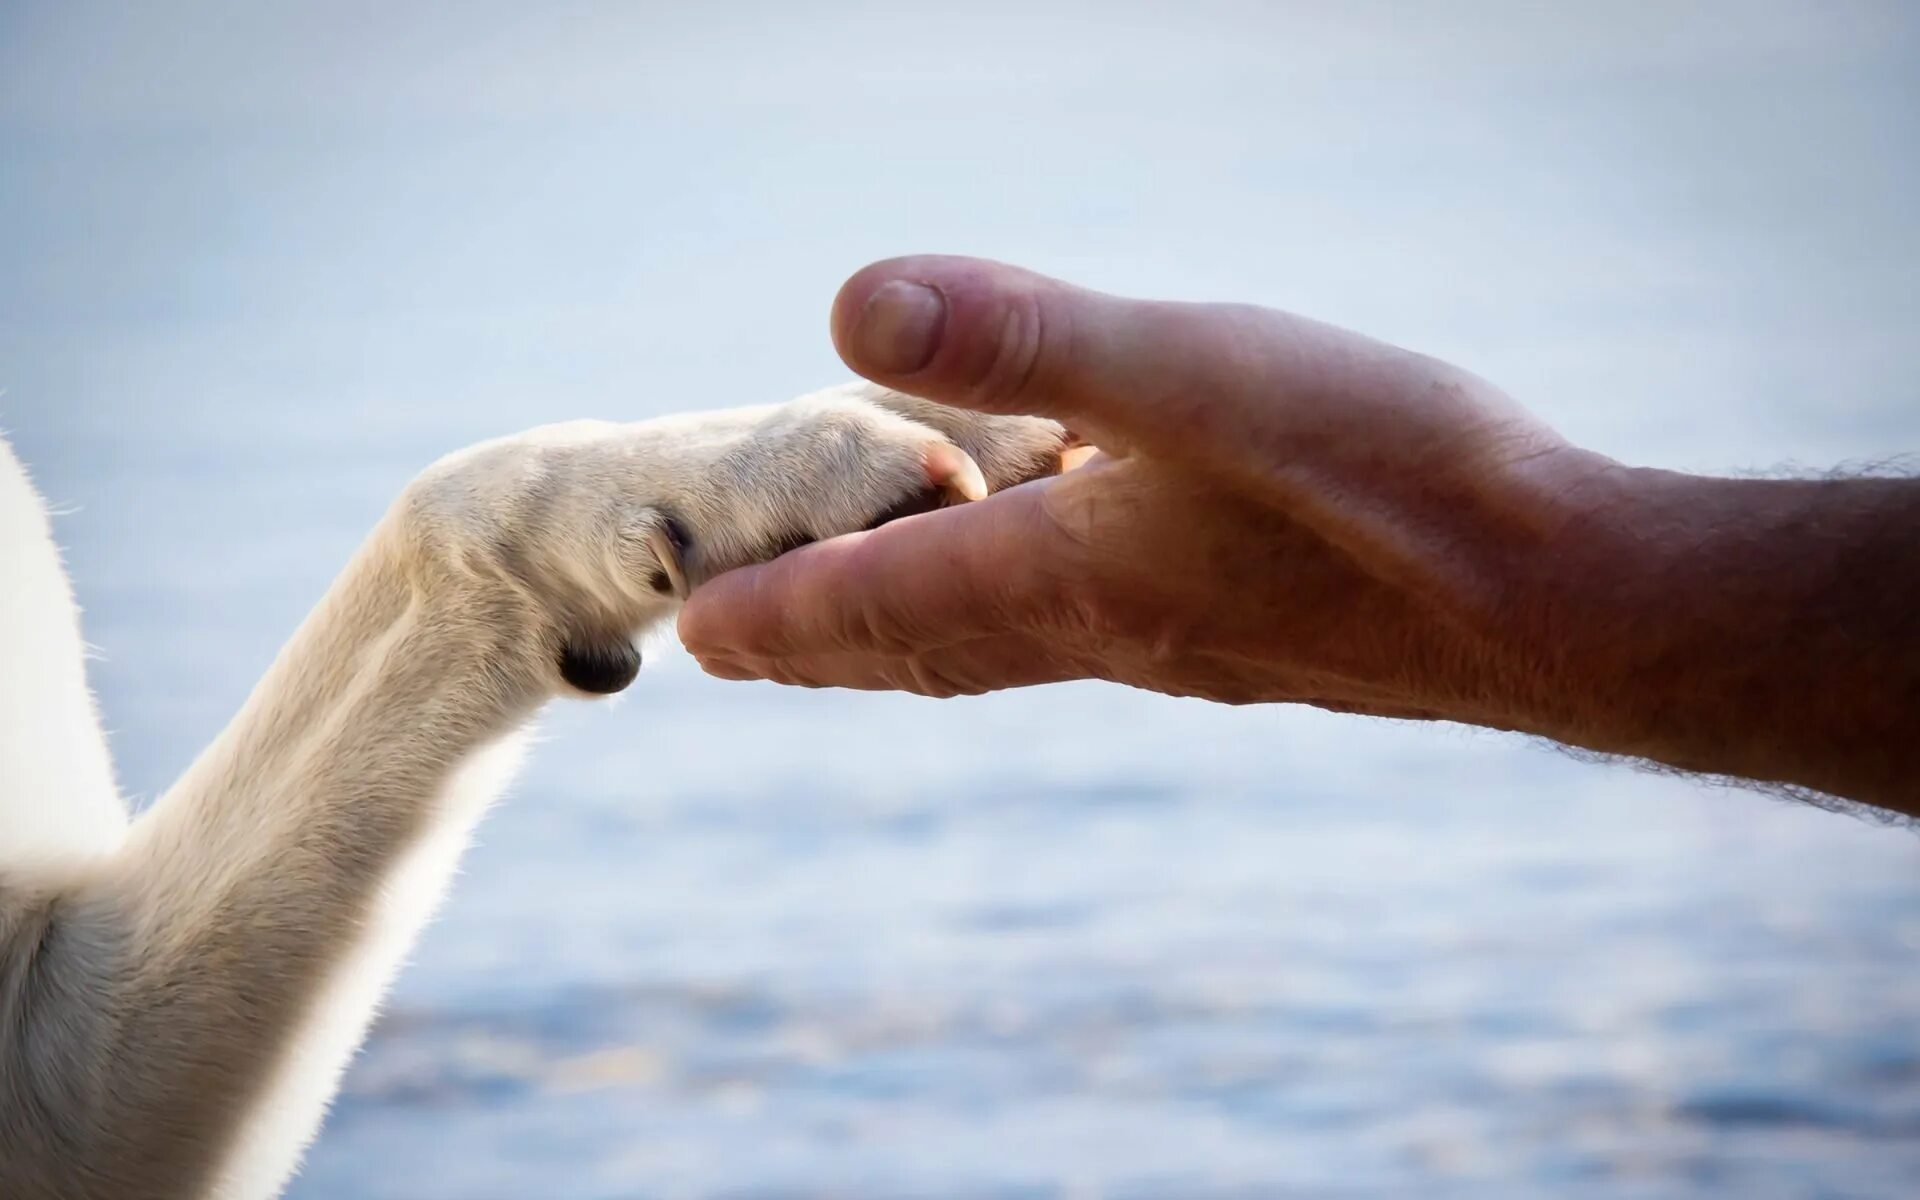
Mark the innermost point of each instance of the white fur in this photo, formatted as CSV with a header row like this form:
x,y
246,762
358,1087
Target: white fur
x,y
179,995
58,804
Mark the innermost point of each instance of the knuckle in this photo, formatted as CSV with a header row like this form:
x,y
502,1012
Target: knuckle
x,y
875,624
920,674
1031,336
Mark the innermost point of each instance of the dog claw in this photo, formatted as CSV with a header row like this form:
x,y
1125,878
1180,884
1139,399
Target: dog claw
x,y
1075,457
954,472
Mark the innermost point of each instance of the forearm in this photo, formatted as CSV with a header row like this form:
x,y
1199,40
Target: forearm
x,y
1765,629
268,895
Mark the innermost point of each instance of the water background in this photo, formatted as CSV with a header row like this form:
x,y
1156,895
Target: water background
x,y
258,263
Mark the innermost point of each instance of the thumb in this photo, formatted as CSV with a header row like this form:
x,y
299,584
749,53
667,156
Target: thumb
x,y
1297,411
1221,386
996,338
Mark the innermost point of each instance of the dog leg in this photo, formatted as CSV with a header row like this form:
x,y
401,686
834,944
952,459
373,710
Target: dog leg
x,y
174,1018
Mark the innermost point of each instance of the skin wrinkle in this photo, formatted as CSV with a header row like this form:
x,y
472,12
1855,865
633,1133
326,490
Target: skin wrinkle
x,y
1021,349
1287,511
1287,449
1096,622
1010,660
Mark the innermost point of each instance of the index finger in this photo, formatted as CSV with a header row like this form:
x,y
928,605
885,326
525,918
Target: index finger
x,y
918,584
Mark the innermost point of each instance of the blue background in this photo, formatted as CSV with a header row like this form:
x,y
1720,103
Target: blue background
x,y
261,262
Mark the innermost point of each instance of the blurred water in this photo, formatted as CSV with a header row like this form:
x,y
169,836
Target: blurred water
x,y
727,940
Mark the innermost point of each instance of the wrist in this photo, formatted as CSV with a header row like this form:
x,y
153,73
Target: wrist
x,y
1748,628
1614,599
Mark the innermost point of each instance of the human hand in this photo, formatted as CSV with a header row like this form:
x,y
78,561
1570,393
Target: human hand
x,y
1284,511
1280,510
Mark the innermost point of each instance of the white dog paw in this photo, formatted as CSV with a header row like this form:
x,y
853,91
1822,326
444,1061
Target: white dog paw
x,y
591,532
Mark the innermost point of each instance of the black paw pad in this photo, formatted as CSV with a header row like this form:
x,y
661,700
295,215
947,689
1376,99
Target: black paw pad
x,y
602,668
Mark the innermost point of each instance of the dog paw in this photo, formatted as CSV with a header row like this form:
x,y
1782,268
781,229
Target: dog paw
x,y
592,532
1010,450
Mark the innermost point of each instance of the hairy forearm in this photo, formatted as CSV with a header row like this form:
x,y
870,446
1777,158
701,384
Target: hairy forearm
x,y
1764,629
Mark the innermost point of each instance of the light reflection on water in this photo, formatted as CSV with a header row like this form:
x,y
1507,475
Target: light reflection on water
x,y
731,940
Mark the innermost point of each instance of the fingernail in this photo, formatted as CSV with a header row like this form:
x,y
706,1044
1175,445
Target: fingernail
x,y
899,329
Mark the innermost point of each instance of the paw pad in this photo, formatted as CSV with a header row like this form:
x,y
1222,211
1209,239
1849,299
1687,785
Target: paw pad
x,y
601,669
